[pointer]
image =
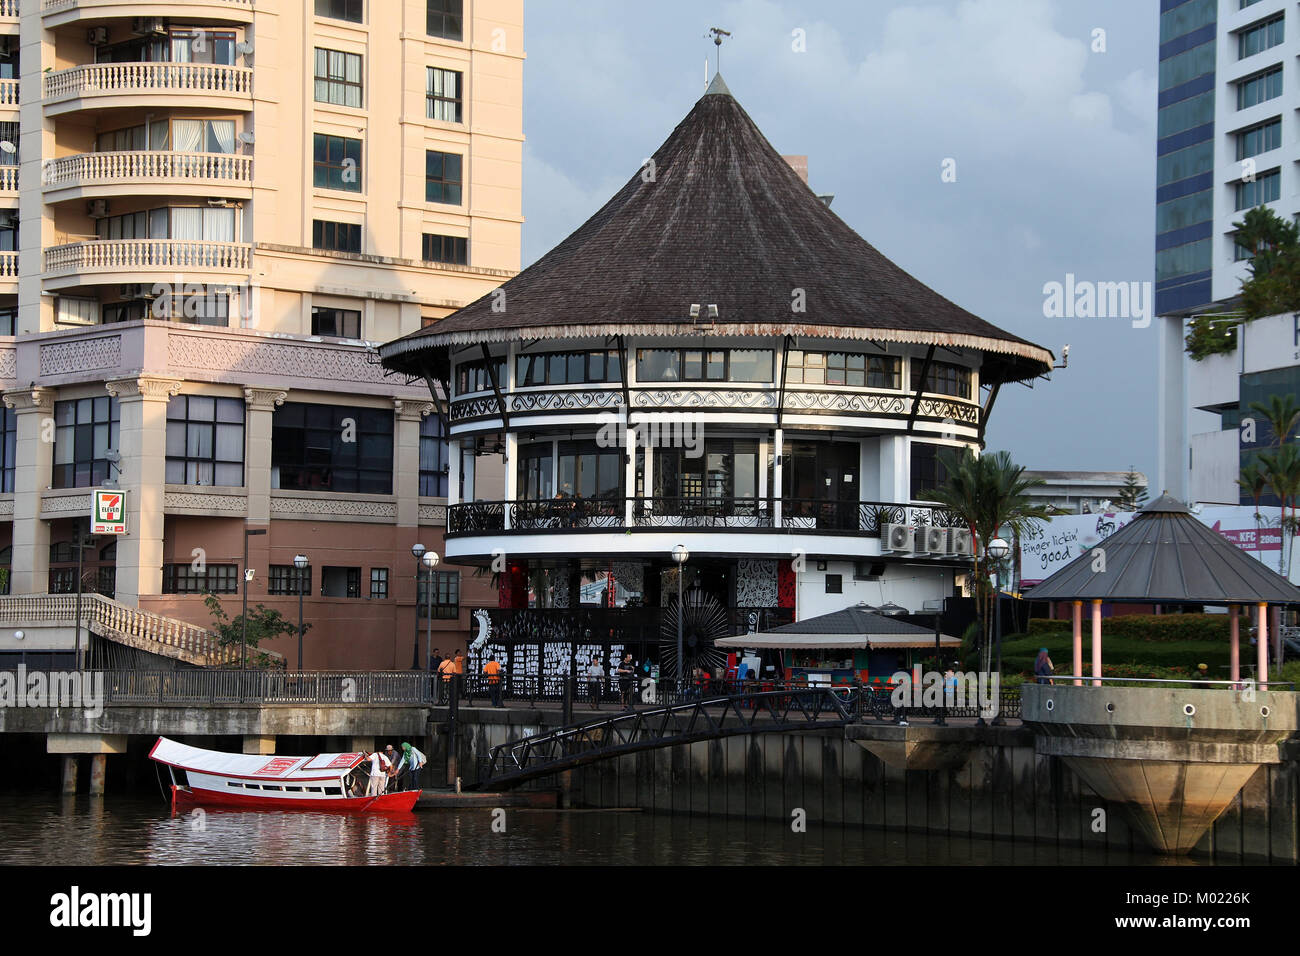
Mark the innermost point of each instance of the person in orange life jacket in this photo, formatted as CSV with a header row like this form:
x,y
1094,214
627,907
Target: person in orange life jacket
x,y
493,671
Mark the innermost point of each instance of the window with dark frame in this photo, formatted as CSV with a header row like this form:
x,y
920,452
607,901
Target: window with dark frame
x,y
443,97
336,162
8,441
568,368
704,365
332,448
445,18
350,10
340,582
85,429
1253,90
378,584
1261,138
1261,36
474,377
214,578
928,471
433,457
944,378
205,441
442,177
335,236
834,584
446,595
842,368
453,250
283,579
8,320
338,78
340,323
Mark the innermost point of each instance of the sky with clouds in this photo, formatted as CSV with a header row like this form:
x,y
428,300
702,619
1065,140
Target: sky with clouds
x,y
1053,144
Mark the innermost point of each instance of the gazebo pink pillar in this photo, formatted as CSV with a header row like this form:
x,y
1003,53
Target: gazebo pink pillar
x,y
1077,663
1234,648
1261,643
1096,643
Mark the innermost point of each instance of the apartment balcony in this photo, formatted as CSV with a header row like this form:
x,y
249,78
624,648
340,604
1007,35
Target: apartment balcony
x,y
139,85
146,172
9,13
8,187
8,273
57,12
8,96
106,261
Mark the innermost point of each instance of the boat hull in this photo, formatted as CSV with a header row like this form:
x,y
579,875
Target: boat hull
x,y
402,802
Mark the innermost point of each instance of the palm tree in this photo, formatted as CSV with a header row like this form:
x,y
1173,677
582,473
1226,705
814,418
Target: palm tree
x,y
1254,482
1282,472
988,493
1282,414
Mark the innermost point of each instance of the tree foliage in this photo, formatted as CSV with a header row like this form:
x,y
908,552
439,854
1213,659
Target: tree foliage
x,y
1132,494
264,623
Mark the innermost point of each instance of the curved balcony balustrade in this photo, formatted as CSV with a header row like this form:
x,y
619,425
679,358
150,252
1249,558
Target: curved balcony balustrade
x,y
109,85
141,260
56,12
858,518
9,95
132,172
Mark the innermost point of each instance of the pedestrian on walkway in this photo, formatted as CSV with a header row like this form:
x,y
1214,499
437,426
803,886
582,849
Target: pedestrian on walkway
x,y
435,662
379,765
595,682
446,674
626,674
1043,667
393,768
492,670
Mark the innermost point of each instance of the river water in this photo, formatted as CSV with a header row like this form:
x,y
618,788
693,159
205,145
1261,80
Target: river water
x,y
39,829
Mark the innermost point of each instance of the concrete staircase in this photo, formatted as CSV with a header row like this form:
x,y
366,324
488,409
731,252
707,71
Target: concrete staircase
x,y
123,624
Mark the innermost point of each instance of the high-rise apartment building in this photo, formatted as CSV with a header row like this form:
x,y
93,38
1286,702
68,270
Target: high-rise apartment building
x,y
210,209
1227,142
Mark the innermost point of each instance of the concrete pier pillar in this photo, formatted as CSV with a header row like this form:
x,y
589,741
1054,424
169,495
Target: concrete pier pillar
x,y
98,768
1234,648
1261,644
1096,643
70,774
358,745
254,744
1076,610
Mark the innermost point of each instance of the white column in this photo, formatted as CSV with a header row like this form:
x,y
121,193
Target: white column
x,y
142,441
467,461
33,464
453,472
260,405
778,452
512,474
1172,475
406,459
629,472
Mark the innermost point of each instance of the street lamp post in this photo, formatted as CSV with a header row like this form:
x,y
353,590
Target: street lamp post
x,y
998,550
300,563
243,620
681,556
424,558
83,542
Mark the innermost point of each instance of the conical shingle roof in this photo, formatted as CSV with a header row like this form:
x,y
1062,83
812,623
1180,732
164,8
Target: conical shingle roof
x,y
1166,556
718,217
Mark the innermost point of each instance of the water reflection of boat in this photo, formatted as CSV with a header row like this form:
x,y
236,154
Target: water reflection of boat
x,y
325,782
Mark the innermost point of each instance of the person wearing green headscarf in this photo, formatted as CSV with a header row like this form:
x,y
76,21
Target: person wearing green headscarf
x,y
414,762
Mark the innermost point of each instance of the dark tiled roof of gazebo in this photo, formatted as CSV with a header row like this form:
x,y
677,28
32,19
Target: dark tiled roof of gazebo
x,y
1166,556
852,620
724,221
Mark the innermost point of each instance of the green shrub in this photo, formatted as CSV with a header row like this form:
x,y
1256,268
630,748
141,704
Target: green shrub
x,y
1147,627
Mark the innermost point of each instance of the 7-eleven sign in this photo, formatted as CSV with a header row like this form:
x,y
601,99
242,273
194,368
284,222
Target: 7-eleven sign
x,y
108,512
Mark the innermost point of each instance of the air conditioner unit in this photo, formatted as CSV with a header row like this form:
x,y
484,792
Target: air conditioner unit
x,y
97,208
97,36
868,570
959,541
146,26
895,537
931,539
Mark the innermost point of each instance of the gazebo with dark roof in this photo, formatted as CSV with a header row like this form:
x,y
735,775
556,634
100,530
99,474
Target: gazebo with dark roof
x,y
1166,556
716,208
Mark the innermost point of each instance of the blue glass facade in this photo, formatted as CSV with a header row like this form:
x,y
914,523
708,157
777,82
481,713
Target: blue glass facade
x,y
1185,154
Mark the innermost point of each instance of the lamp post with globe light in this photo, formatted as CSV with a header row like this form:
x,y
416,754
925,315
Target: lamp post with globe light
x,y
998,550
300,563
428,560
681,556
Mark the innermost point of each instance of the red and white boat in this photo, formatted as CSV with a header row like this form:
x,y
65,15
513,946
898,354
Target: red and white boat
x,y
325,782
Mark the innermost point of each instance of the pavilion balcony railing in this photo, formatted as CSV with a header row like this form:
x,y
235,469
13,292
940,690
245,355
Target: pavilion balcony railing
x,y
132,166
98,79
864,518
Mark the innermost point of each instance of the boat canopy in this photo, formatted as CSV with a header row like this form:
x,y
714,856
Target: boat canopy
x,y
185,757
